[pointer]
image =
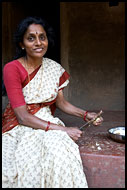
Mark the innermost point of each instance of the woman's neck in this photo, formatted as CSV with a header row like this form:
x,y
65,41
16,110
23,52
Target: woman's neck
x,y
32,62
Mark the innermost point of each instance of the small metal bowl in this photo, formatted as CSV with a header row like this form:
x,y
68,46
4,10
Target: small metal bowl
x,y
117,134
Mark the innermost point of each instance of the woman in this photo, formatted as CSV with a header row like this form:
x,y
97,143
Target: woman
x,y
38,150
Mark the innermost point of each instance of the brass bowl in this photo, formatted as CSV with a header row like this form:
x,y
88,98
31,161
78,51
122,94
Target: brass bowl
x,y
117,134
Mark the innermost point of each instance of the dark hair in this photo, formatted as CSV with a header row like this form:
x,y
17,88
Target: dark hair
x,y
23,26
4,92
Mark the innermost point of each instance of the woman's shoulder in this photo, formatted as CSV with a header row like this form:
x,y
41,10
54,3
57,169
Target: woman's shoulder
x,y
51,62
11,65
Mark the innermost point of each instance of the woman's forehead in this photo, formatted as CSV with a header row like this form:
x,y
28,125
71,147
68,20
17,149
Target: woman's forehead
x,y
35,29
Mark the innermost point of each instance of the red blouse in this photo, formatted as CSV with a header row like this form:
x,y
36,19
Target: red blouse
x,y
15,78
14,75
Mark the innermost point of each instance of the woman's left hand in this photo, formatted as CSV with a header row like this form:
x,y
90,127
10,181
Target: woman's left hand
x,y
91,115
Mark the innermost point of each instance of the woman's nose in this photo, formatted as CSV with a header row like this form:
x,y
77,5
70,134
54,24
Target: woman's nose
x,y
38,41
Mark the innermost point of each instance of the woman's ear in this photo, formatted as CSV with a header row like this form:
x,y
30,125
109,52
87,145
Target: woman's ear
x,y
21,45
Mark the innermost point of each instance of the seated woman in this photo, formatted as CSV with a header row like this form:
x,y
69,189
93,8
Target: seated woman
x,y
38,150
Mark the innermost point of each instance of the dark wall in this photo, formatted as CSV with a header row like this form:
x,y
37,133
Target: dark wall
x,y
95,51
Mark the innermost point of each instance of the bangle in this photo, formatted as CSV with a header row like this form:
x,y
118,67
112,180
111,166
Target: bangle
x,y
47,128
85,115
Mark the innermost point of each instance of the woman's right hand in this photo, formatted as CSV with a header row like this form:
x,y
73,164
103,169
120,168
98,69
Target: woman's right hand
x,y
73,132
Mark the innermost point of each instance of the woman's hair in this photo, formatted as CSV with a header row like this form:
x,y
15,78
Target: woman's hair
x,y
23,26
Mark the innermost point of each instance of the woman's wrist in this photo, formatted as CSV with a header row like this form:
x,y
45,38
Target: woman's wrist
x,y
47,127
85,115
54,126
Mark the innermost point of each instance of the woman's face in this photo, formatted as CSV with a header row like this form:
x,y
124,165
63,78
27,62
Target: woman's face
x,y
35,41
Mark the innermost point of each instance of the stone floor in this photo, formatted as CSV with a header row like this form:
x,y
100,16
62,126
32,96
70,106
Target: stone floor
x,y
103,158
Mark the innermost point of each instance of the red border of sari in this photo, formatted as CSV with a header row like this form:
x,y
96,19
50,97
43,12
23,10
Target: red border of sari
x,y
26,81
9,120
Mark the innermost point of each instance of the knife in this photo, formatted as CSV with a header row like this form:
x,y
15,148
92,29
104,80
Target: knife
x,y
91,121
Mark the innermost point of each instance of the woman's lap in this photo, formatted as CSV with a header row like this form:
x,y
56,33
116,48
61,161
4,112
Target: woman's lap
x,y
41,159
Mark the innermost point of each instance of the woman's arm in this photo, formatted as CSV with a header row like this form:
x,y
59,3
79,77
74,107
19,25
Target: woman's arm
x,y
29,120
68,108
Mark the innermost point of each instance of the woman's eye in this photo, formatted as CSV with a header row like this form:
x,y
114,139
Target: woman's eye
x,y
31,38
42,37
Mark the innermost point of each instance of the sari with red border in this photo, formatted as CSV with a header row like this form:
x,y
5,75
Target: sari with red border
x,y
9,120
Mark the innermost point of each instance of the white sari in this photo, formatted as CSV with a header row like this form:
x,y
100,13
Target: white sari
x,y
33,158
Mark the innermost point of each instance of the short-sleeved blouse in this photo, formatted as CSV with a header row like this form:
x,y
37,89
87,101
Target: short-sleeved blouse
x,y
14,74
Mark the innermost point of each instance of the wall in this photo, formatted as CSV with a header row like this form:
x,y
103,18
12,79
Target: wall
x,y
92,48
92,51
10,18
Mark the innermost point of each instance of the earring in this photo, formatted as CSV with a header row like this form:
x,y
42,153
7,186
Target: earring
x,y
23,48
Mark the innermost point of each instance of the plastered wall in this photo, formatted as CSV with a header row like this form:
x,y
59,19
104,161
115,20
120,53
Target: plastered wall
x,y
92,51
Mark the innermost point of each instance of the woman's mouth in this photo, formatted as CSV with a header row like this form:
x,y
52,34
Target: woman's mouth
x,y
38,50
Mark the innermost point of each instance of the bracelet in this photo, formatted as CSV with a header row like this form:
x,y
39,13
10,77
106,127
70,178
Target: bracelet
x,y
47,128
85,115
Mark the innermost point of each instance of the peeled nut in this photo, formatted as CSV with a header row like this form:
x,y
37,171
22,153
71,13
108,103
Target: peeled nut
x,y
96,121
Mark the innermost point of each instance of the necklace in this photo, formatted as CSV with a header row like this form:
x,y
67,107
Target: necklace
x,y
25,64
